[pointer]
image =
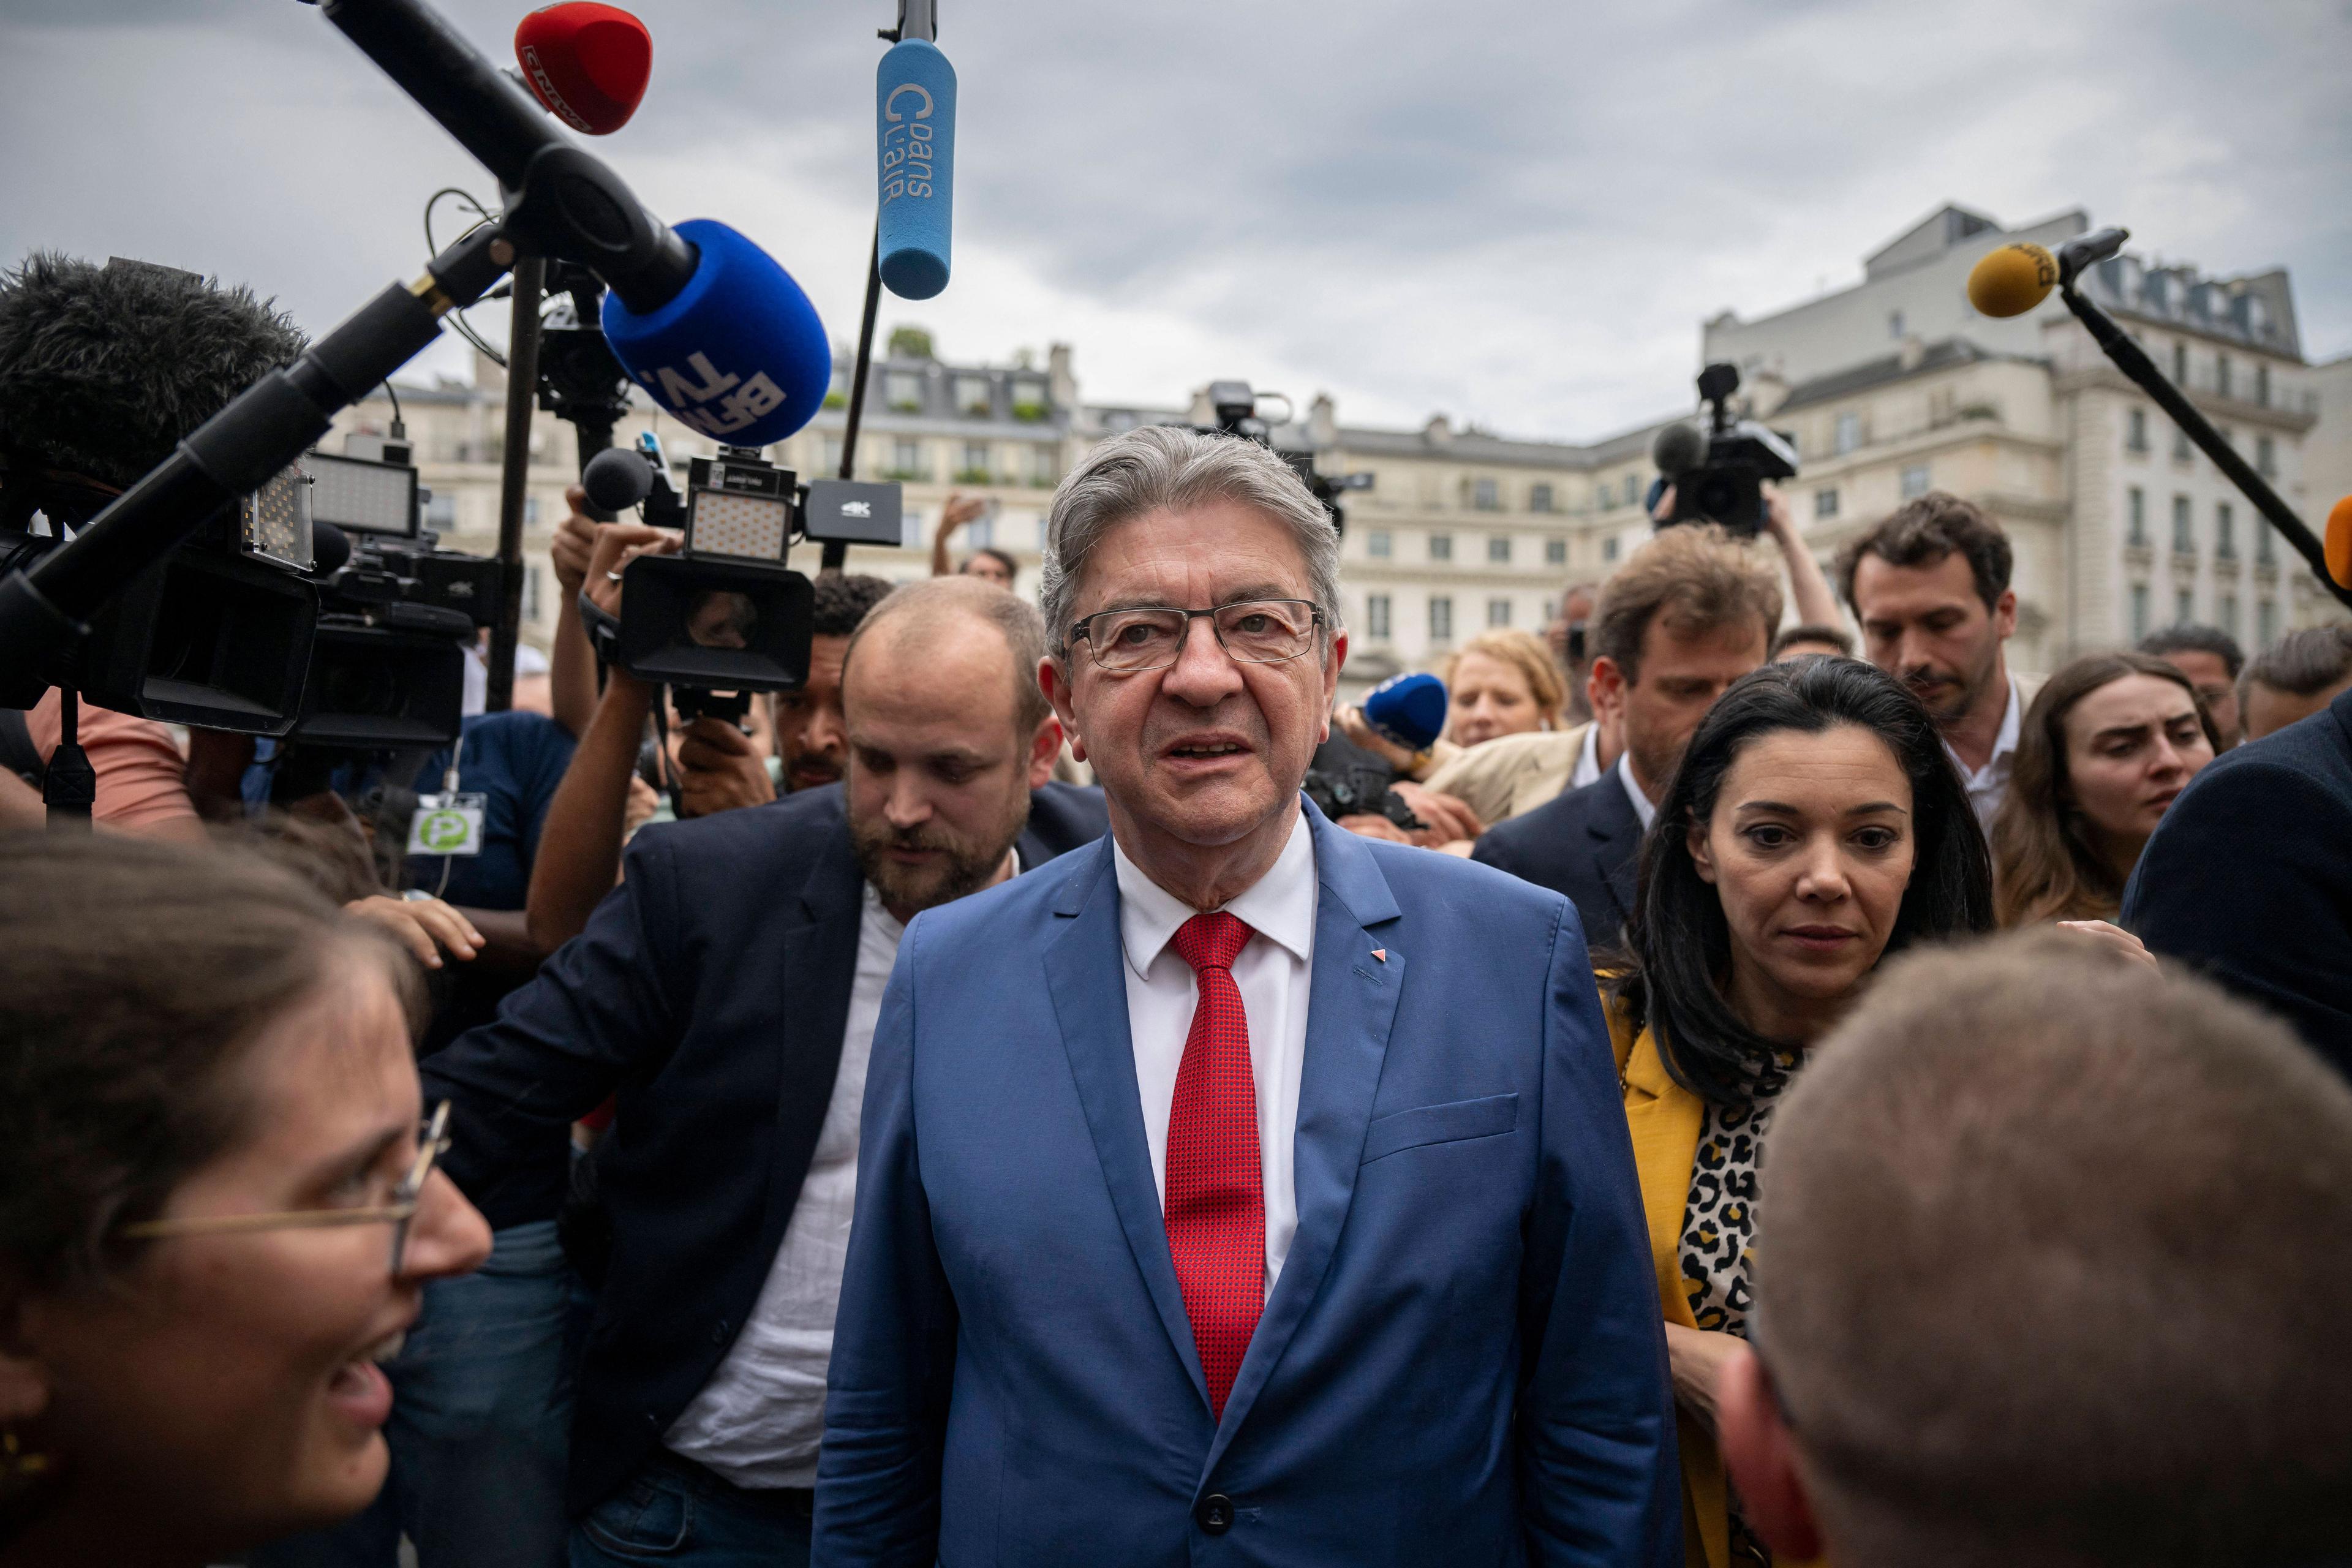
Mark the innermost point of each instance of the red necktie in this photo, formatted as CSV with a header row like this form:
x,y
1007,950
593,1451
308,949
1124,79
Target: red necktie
x,y
1215,1208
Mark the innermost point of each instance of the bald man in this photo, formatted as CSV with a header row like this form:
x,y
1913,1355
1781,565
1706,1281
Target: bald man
x,y
726,992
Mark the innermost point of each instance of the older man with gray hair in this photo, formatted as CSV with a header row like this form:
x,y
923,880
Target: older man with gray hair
x,y
1239,1189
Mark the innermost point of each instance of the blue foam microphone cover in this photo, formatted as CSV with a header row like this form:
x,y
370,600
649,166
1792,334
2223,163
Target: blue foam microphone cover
x,y
1408,709
915,97
739,355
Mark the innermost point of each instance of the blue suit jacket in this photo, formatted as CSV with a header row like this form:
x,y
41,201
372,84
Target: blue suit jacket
x,y
2245,878
1585,843
1461,1360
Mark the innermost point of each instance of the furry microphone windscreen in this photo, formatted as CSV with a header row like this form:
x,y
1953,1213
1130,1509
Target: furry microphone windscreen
x,y
104,369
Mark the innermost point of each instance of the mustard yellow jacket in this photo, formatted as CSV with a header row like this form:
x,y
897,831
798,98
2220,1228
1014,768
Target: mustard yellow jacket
x,y
1664,1118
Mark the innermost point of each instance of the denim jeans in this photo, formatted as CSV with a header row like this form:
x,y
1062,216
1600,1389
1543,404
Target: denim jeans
x,y
481,1418
676,1513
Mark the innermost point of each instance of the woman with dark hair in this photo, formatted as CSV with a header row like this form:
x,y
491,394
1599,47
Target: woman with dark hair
x,y
217,1202
2108,745
1815,826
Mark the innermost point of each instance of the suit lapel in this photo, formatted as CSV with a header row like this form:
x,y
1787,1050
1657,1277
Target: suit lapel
x,y
1352,1003
818,973
1085,977
1615,861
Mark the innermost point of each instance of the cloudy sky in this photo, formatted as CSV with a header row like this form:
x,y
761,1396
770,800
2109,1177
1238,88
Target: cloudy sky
x,y
1514,214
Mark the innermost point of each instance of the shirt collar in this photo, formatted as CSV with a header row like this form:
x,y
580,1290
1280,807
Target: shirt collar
x,y
2003,744
1588,758
1642,806
1279,906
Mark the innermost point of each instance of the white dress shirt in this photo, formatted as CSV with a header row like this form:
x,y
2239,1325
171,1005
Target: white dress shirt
x,y
1643,807
1989,782
1272,974
758,1420
1588,760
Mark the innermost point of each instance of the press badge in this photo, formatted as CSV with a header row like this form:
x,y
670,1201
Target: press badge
x,y
447,825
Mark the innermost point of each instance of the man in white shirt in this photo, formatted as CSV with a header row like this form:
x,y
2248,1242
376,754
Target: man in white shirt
x,y
1930,587
727,993
1219,1179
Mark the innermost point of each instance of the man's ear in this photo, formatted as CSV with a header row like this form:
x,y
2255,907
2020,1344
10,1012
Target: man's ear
x,y
1052,676
2004,613
1045,751
1760,1452
1331,668
1604,687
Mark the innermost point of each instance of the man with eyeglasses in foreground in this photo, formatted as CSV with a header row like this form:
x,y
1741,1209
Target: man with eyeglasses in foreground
x,y
1238,1175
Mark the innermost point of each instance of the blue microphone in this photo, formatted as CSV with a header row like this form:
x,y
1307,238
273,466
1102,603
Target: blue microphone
x,y
915,96
1408,711
739,354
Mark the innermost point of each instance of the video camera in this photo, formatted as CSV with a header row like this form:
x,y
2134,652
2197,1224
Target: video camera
x,y
724,616
1718,473
1235,405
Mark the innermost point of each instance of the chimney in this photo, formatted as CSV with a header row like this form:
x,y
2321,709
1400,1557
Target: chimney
x,y
1911,352
1062,382
1322,423
1438,432
1202,412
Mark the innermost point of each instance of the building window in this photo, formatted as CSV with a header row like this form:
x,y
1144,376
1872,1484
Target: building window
x,y
2266,457
2180,364
2135,516
2266,622
1499,612
2184,606
530,591
906,460
971,395
1895,325
831,456
1498,549
1825,503
979,534
531,511
441,513
2262,385
1848,434
1029,395
2265,545
2184,532
974,470
2225,532
1377,544
1045,533
2229,616
1486,495
1555,551
2222,374
1633,489
902,391
2180,449
2136,430
1045,468
1441,547
1608,549
2138,611
1915,481
1539,498
1441,619
1375,615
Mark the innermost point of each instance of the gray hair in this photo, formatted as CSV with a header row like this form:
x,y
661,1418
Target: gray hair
x,y
1171,466
929,606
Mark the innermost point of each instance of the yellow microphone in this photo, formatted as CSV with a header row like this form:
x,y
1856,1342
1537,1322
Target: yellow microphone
x,y
2013,279
2340,543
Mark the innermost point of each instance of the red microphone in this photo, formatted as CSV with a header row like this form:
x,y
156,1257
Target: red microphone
x,y
586,62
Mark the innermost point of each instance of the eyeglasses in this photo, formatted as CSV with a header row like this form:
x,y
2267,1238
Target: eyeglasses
x,y
431,1143
1252,631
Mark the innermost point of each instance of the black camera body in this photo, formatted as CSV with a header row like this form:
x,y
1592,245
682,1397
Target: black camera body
x,y
724,616
1236,411
1726,485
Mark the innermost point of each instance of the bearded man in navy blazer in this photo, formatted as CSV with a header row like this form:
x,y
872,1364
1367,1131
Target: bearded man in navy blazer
x,y
1238,1190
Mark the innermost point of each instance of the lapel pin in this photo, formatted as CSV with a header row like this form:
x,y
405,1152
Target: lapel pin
x,y
1381,954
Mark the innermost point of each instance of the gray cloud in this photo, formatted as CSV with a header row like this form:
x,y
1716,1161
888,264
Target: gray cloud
x,y
1517,215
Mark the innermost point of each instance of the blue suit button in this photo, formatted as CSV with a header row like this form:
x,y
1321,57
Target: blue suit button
x,y
1214,1513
